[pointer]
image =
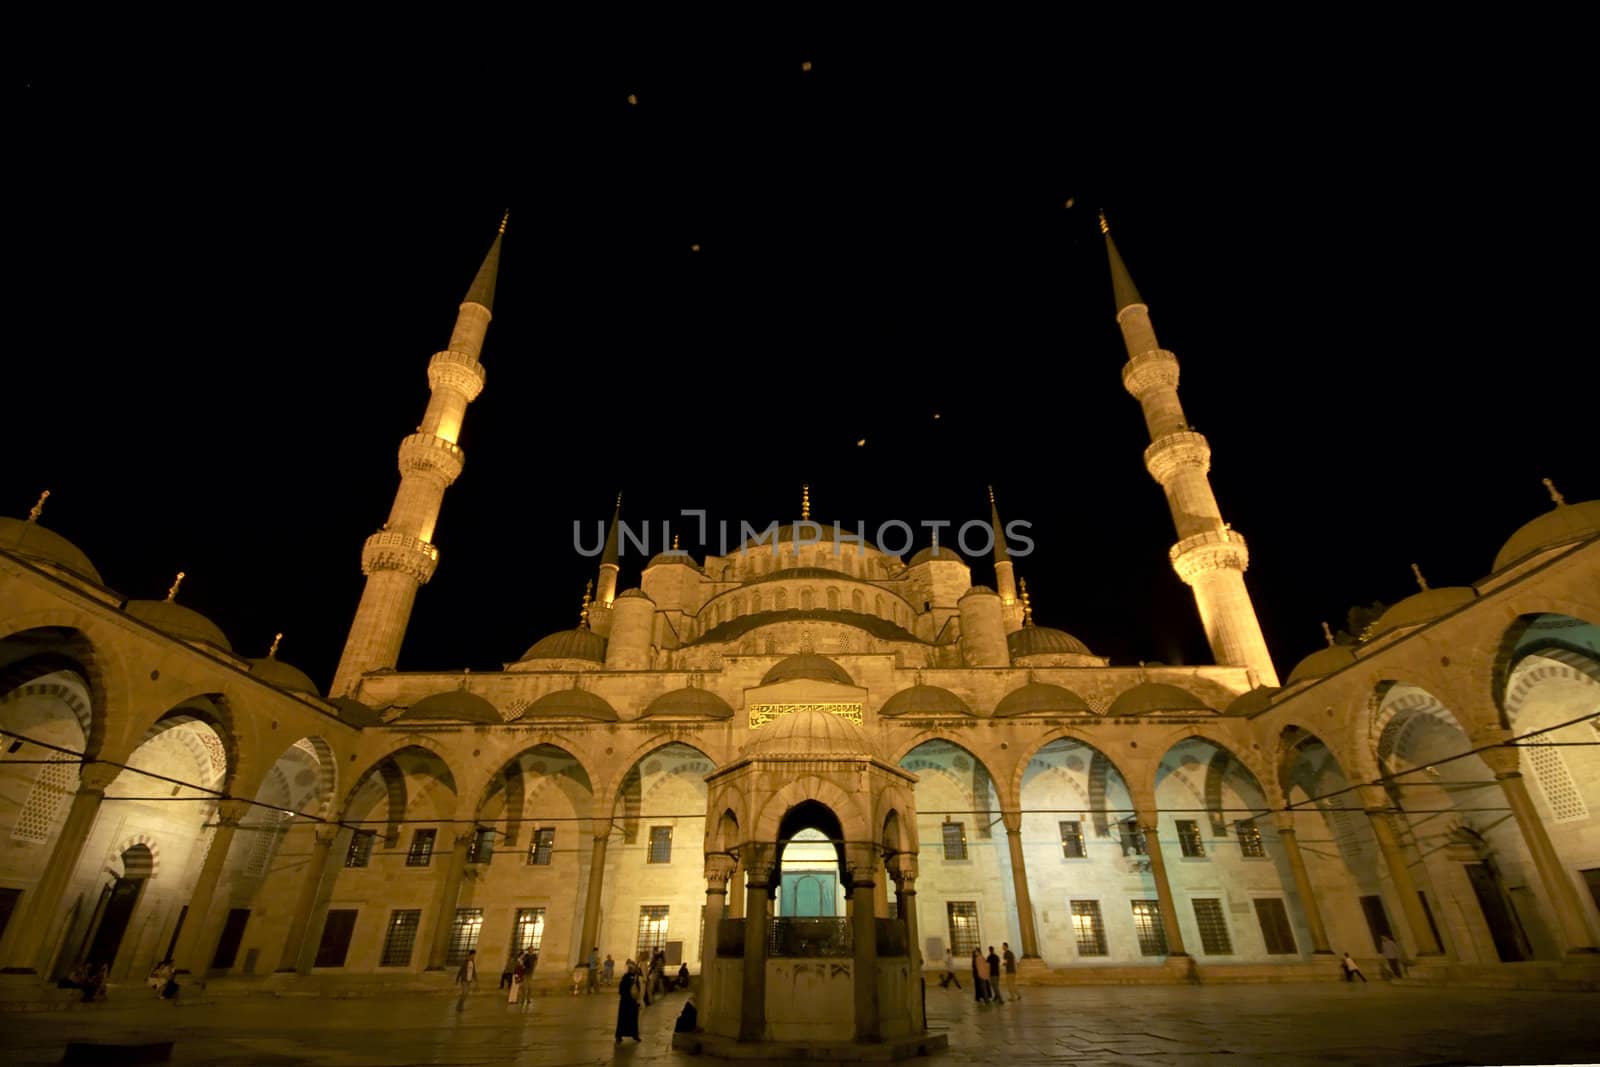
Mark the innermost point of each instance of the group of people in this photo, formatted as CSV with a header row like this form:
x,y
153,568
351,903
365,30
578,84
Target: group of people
x,y
88,978
1393,962
988,971
640,986
517,978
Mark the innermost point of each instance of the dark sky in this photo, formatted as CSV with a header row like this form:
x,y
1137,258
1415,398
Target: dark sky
x,y
228,275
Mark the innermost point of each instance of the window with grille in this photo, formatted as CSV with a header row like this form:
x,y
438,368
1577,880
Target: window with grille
x,y
1072,840
660,844
652,931
1133,843
1275,929
1147,924
963,926
1089,927
400,937
955,841
1214,939
481,850
421,848
542,847
1250,843
1189,838
1556,782
360,852
336,933
463,935
527,933
54,784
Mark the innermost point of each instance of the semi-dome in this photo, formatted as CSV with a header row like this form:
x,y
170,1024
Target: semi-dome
x,y
571,704
937,554
455,705
1562,525
808,732
808,666
689,703
175,620
1254,702
32,541
924,700
1041,698
274,671
1322,662
1422,607
1154,698
578,643
1044,640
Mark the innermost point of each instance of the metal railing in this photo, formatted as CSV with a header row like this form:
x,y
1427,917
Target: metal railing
x,y
791,937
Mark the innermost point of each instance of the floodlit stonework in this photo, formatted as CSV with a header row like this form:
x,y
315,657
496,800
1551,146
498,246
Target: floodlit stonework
x,y
805,769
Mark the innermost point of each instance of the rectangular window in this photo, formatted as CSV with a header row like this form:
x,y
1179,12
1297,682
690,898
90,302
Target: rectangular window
x,y
421,849
1147,924
1089,927
232,934
481,849
1072,840
1214,939
660,844
1189,838
1250,843
336,933
463,935
963,926
527,934
652,931
360,853
1132,838
399,938
542,847
955,841
1275,929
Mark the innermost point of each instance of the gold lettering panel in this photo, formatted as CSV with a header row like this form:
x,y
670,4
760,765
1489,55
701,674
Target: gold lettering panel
x,y
761,714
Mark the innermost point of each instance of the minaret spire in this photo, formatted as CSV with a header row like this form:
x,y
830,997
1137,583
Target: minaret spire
x,y
401,557
1209,555
1004,577
609,565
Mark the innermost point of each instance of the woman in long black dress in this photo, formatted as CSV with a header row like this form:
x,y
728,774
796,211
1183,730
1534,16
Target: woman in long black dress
x,y
628,1004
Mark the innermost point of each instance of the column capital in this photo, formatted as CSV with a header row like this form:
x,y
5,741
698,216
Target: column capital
x,y
1505,760
231,811
903,866
462,838
326,833
1374,799
96,777
1284,821
719,869
1012,820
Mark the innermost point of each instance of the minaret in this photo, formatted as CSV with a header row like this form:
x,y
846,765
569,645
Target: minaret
x,y
401,557
1209,556
607,589
1005,580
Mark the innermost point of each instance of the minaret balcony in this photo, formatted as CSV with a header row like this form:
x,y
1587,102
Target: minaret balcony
x,y
458,371
1155,369
387,550
426,453
1211,550
1169,454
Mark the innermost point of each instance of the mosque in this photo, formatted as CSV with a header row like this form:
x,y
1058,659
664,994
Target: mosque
x,y
805,749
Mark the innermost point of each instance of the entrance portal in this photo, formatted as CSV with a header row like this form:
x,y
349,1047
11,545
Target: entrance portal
x,y
117,908
811,888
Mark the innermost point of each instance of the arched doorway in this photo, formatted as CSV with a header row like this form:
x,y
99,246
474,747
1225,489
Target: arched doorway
x,y
117,902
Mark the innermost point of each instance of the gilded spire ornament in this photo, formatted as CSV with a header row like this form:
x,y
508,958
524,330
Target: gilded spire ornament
x,y
583,611
1327,632
172,594
1555,496
805,503
1421,581
674,542
38,509
503,220
1105,227
991,494
272,653
1027,602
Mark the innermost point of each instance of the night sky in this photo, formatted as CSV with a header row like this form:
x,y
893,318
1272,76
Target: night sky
x,y
228,275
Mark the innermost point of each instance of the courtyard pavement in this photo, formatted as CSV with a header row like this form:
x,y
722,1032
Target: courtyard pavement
x,y
1228,1026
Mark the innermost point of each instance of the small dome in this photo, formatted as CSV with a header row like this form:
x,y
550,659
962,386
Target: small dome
x,y
982,590
672,556
571,704
1322,662
32,541
690,703
1041,698
568,644
175,620
808,666
1253,702
808,732
274,671
456,705
937,554
1422,607
1561,525
1153,698
1043,640
924,700
635,592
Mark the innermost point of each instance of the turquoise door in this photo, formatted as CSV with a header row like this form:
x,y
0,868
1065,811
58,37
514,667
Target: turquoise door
x,y
809,895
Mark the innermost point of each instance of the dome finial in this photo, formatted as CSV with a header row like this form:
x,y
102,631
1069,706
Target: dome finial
x,y
991,494
583,611
504,219
805,503
1027,602
1555,495
674,542
1105,227
1327,632
1421,581
172,594
38,509
272,653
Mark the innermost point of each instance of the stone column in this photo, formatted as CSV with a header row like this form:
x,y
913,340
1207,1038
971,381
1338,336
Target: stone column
x,y
736,890
445,912
40,904
864,935
1019,878
294,945
1302,883
904,872
719,868
195,942
1505,762
753,1009
1149,823
1376,802
591,906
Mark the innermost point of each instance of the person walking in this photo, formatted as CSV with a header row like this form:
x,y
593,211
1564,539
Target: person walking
x,y
980,990
466,978
594,969
1009,962
517,978
628,997
992,965
1391,956
508,975
949,971
525,994
1351,970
